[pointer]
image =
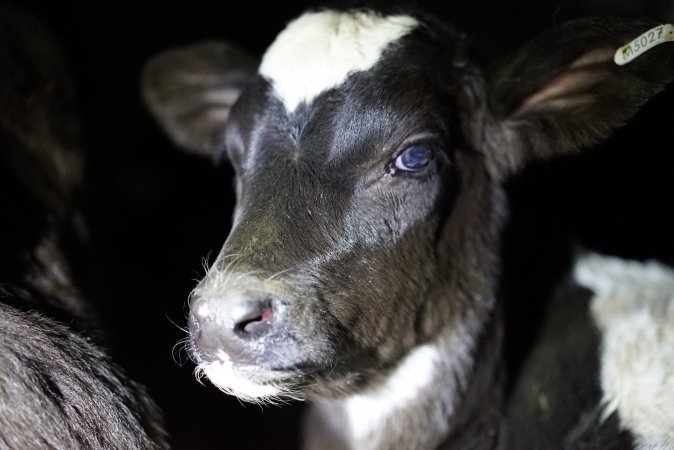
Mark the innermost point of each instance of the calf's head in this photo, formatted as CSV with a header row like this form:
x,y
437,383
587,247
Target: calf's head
x,y
369,152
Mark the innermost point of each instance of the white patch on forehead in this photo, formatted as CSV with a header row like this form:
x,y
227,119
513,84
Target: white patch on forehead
x,y
317,51
633,308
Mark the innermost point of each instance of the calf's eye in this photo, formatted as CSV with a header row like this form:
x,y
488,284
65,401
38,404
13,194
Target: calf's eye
x,y
412,159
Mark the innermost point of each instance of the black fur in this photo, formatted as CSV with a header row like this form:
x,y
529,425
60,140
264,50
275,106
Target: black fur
x,y
58,388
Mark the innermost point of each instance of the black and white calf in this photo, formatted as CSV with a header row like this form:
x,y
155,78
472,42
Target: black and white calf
x,y
363,266
58,388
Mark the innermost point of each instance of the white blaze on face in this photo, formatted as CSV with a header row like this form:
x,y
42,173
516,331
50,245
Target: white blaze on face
x,y
317,51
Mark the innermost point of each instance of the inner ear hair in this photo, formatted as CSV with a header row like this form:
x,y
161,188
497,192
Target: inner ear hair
x,y
191,89
563,91
573,86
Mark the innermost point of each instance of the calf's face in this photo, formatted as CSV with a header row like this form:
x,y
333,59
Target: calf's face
x,y
369,151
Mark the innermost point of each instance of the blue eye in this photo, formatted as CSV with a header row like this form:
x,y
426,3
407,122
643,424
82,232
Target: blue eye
x,y
413,158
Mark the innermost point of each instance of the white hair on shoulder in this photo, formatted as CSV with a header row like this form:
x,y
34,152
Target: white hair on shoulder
x,y
633,308
318,50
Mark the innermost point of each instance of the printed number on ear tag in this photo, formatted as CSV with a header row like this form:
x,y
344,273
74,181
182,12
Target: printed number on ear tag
x,y
655,36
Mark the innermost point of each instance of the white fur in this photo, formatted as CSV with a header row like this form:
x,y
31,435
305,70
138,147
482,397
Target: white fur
x,y
239,381
369,411
420,394
317,51
634,310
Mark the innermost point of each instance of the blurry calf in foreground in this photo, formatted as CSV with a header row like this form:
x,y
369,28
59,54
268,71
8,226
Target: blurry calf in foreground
x,y
58,389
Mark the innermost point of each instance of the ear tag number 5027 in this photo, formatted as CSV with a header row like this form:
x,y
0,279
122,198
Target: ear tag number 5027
x,y
643,43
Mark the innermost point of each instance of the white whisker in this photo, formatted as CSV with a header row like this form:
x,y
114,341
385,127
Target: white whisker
x,y
178,349
279,273
184,330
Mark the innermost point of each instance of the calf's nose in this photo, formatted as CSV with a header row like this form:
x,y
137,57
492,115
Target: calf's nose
x,y
249,318
236,320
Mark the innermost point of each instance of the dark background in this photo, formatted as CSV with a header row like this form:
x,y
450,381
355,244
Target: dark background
x,y
155,212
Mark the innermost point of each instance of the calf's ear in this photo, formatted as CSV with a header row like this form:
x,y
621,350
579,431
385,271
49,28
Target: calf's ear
x,y
563,91
191,89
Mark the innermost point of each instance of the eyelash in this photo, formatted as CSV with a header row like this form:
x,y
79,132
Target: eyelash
x,y
394,167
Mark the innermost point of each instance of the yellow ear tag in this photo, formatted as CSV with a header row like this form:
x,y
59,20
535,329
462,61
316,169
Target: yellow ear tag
x,y
655,36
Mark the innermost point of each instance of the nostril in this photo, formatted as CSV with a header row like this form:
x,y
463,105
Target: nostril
x,y
255,321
